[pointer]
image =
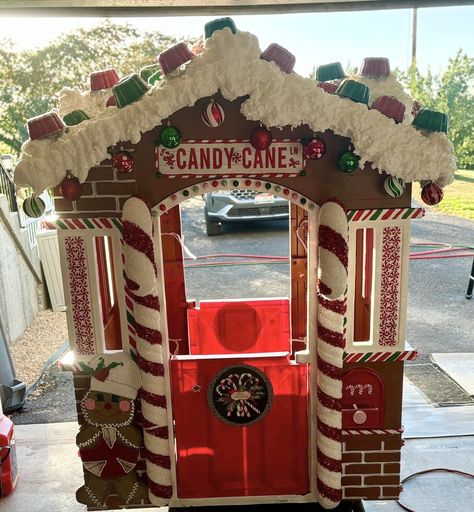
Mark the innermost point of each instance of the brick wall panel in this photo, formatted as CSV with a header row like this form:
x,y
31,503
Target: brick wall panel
x,y
393,444
115,189
97,204
391,468
128,176
351,480
101,174
382,457
381,480
63,205
392,492
362,469
362,444
371,493
351,457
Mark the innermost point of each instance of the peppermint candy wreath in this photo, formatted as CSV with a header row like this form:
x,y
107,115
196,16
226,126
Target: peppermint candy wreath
x,y
333,258
140,268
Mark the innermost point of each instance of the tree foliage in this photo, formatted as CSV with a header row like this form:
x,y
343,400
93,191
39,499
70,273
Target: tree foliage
x,y
451,92
32,79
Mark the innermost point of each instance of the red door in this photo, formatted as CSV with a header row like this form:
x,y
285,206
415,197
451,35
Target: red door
x,y
241,425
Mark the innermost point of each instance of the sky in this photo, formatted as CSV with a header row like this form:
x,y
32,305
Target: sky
x,y
314,39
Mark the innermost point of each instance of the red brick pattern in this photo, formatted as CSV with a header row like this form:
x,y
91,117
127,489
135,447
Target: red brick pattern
x,y
104,193
371,466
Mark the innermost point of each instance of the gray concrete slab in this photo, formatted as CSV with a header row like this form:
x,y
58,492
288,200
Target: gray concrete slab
x,y
434,492
460,367
422,419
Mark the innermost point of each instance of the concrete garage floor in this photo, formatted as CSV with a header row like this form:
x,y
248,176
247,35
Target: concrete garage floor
x,y
50,470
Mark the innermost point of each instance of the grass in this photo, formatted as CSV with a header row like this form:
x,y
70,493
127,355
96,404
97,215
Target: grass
x,y
458,197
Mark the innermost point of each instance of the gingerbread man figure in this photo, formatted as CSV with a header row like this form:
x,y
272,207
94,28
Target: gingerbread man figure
x,y
109,445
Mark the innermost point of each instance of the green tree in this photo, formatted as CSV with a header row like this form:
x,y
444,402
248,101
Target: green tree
x,y
451,92
32,79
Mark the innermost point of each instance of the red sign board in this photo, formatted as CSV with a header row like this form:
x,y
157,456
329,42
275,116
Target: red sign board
x,y
199,158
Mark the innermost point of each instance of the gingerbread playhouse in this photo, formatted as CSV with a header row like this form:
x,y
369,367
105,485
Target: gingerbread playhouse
x,y
244,401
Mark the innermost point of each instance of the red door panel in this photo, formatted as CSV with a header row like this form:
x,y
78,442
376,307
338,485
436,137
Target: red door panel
x,y
217,459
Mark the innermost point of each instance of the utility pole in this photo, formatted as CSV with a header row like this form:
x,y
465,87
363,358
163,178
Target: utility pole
x,y
413,41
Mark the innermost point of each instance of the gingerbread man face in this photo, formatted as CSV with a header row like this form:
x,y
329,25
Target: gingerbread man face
x,y
102,408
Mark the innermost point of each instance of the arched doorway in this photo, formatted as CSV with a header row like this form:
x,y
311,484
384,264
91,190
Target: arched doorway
x,y
234,399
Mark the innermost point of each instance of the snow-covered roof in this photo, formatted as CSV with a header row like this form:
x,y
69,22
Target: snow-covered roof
x,y
231,64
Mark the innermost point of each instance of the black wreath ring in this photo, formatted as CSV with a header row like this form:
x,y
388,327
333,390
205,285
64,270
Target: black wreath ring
x,y
240,395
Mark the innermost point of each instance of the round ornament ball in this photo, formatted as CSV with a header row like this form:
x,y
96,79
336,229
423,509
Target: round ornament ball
x,y
213,116
261,138
70,188
123,162
348,162
432,194
315,149
394,187
170,137
34,206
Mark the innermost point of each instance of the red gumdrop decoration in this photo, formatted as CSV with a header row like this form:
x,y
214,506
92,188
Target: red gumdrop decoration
x,y
261,138
70,188
111,102
432,194
315,149
123,162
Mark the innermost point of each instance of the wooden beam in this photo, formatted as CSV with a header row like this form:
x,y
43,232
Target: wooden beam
x,y
121,8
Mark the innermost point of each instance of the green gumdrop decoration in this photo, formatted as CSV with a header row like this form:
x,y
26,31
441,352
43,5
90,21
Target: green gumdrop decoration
x,y
348,161
170,137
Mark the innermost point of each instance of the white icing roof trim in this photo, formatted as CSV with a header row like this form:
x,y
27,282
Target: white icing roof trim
x,y
232,64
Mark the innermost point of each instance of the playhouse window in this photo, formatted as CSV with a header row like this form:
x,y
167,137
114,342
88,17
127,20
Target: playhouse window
x,y
108,292
364,284
254,306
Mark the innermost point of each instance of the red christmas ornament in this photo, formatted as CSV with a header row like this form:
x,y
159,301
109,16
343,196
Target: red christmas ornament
x,y
432,194
70,188
213,116
261,138
123,162
315,149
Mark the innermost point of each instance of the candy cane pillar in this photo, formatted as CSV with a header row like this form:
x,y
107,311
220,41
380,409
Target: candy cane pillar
x,y
333,256
141,277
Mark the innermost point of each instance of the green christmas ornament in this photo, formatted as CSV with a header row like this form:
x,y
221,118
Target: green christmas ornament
x,y
170,137
348,161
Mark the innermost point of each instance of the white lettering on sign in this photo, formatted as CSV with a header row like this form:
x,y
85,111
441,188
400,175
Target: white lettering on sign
x,y
230,158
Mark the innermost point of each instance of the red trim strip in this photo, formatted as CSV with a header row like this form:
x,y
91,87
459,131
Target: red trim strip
x,y
328,462
334,495
153,399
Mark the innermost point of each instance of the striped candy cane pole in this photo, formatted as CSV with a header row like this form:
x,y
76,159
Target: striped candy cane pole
x,y
333,255
140,268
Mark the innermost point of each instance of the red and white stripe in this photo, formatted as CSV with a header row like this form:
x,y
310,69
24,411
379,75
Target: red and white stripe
x,y
373,431
141,277
381,357
333,255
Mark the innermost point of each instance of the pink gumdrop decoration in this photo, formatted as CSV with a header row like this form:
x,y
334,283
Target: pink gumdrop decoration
x,y
89,404
124,405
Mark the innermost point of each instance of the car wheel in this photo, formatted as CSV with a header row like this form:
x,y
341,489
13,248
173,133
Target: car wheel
x,y
212,228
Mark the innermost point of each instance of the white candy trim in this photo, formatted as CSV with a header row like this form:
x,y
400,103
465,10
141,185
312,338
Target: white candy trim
x,y
276,99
